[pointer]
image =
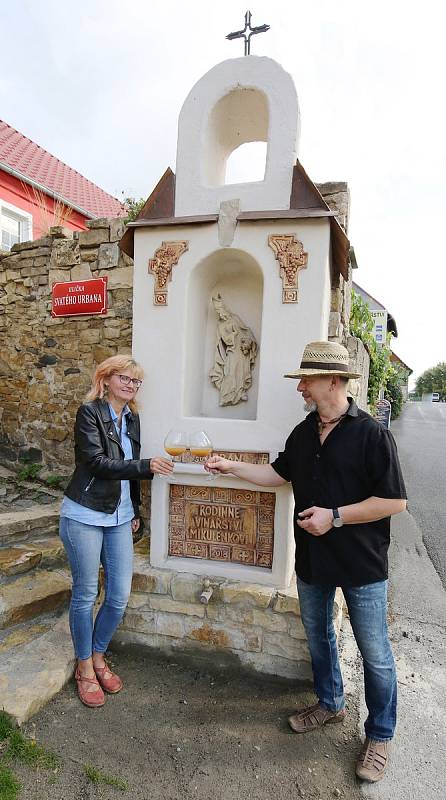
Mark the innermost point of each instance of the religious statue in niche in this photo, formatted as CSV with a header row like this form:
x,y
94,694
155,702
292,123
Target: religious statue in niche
x,y
235,355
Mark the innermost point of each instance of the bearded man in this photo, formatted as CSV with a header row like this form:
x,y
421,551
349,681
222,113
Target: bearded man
x,y
347,483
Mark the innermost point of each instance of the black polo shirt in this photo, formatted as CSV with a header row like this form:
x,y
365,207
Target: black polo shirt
x,y
357,460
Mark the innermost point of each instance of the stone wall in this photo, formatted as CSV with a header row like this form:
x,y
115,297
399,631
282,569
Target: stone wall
x,y
337,197
360,358
46,363
258,625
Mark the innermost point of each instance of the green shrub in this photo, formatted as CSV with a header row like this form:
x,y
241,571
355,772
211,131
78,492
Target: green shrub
x,y
393,392
6,726
54,481
381,369
29,472
134,206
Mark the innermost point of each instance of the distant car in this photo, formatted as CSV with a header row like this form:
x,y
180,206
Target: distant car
x,y
435,397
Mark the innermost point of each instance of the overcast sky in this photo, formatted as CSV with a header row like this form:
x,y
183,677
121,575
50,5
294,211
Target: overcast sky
x,y
100,83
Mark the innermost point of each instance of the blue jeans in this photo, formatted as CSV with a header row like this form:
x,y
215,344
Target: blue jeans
x,y
367,607
88,546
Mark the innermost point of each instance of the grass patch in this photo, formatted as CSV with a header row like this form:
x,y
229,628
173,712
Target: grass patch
x,y
6,726
28,752
9,786
17,748
95,776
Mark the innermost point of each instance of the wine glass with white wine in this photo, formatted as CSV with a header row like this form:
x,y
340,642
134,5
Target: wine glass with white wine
x,y
200,447
175,443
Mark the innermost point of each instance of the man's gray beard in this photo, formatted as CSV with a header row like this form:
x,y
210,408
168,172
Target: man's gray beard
x,y
310,406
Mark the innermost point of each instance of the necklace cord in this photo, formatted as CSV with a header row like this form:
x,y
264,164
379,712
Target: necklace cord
x,y
322,425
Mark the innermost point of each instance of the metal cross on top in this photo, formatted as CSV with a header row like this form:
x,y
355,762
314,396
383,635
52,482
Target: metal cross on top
x,y
252,31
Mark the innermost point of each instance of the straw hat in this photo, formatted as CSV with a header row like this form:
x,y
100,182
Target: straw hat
x,y
324,358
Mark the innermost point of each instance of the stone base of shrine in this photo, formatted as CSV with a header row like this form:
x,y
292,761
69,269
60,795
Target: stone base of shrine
x,y
254,625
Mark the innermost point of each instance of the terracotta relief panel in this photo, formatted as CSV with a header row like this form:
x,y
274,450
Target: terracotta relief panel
x,y
290,254
161,266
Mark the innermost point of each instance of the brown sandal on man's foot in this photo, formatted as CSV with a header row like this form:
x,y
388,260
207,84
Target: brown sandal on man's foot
x,y
312,717
91,699
372,761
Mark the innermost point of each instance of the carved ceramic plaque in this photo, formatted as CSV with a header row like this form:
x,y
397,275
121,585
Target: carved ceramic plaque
x,y
222,524
292,258
233,455
161,265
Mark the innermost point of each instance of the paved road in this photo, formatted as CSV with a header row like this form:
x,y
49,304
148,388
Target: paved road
x,y
417,605
421,436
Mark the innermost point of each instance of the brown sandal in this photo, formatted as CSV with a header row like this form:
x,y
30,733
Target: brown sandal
x,y
90,699
113,684
312,717
372,761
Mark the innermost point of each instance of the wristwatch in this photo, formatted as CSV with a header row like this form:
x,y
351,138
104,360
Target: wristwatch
x,y
337,519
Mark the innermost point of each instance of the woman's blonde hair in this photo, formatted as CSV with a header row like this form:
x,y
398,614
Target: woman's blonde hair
x,y
113,366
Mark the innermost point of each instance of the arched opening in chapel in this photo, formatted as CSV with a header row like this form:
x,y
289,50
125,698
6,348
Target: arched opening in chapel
x,y
236,140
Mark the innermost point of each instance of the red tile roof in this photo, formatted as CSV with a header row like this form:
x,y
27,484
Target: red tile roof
x,y
30,161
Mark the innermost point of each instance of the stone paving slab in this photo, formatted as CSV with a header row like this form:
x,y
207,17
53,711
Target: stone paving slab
x,y
22,634
50,547
35,521
16,560
31,674
33,594
24,557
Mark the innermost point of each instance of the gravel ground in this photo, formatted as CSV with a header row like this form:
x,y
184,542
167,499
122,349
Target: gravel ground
x,y
176,731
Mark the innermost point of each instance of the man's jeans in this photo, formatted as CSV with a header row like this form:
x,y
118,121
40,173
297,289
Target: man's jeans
x,y
367,607
87,547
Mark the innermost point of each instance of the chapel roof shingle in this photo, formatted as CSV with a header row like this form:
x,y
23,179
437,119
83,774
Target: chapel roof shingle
x,y
306,202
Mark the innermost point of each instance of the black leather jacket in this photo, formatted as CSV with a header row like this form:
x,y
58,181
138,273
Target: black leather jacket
x,y
100,464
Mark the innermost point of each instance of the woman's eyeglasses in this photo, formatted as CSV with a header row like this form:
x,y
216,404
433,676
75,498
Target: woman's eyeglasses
x,y
136,383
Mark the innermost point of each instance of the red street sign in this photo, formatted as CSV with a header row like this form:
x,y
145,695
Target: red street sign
x,y
72,298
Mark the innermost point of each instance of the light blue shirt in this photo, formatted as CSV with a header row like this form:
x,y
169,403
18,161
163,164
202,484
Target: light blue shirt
x,y
124,511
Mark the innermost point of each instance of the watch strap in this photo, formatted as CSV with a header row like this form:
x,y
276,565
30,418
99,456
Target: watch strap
x,y
337,519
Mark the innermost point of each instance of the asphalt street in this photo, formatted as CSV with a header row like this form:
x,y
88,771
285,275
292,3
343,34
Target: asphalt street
x,y
421,437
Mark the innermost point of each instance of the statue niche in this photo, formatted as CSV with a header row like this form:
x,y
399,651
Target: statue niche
x,y
235,355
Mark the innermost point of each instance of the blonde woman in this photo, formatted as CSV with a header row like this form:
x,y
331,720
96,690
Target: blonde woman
x,y
99,513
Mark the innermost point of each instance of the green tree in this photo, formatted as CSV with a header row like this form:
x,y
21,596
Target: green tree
x,y
433,380
134,207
